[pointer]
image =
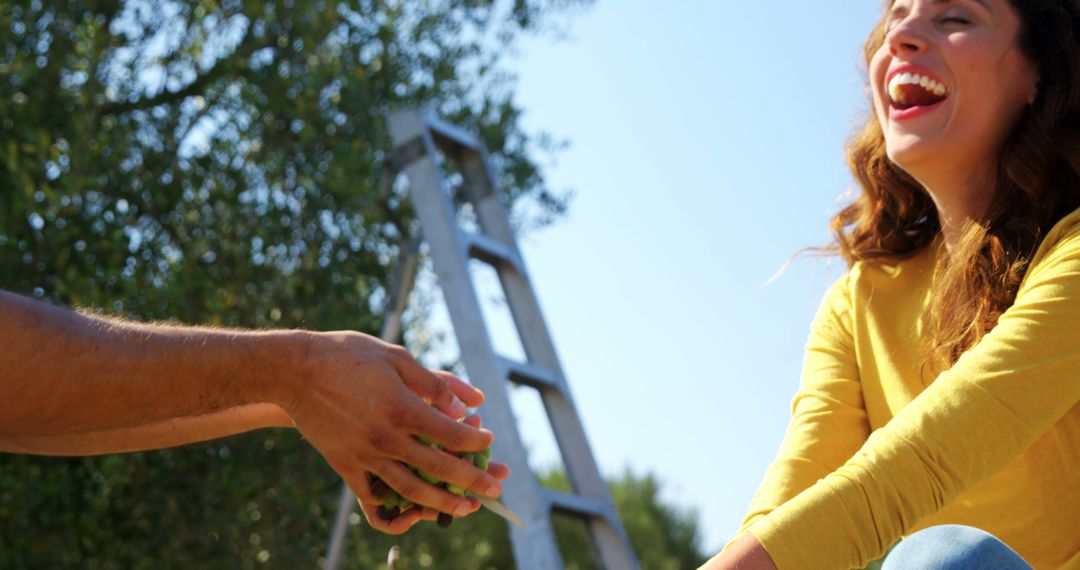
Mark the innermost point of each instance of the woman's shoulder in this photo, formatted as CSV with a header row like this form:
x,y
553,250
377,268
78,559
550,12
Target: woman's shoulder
x,y
892,276
1061,243
865,279
1064,233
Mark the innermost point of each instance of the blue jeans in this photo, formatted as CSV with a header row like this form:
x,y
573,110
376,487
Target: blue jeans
x,y
953,547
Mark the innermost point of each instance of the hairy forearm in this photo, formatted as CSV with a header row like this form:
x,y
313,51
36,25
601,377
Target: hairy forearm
x,y
155,435
66,373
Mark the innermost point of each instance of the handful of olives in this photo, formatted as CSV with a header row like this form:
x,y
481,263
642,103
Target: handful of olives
x,y
394,504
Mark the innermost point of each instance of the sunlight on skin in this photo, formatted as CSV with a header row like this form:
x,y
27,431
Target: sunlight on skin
x,y
746,553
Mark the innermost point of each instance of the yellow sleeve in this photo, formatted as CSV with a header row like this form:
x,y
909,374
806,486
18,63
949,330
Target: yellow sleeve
x,y
972,421
828,420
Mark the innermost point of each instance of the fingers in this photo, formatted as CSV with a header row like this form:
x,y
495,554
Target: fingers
x,y
450,394
396,525
467,393
408,485
446,467
437,425
498,470
390,448
372,499
429,386
474,420
371,495
429,514
450,434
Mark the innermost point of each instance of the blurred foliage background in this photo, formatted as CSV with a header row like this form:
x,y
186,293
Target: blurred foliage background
x,y
217,162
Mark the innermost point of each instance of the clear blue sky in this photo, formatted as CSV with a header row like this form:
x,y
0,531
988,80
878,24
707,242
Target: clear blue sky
x,y
706,148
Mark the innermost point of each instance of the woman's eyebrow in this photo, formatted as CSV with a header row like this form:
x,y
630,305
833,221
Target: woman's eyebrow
x,y
900,10
897,11
982,4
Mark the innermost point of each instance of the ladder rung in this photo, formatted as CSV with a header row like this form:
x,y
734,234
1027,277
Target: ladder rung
x,y
403,155
575,504
452,133
530,374
486,248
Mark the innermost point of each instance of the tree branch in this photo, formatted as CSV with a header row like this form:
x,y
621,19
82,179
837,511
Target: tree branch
x,y
223,67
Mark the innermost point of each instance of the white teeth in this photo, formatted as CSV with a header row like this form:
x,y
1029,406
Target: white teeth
x,y
913,79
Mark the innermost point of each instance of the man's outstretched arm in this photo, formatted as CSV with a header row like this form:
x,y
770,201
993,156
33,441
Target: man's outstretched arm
x,y
155,435
358,400
66,372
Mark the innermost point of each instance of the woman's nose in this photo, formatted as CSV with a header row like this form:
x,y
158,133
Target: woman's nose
x,y
905,38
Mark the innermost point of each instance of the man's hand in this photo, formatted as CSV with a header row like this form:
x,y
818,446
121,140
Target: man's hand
x,y
361,401
77,384
369,504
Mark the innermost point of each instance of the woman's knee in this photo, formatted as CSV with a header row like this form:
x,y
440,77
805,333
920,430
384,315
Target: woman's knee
x,y
953,547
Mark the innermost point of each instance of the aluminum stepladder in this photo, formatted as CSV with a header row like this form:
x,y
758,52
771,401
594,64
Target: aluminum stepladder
x,y
417,137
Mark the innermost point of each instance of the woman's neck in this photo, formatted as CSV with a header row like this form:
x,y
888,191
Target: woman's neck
x,y
961,195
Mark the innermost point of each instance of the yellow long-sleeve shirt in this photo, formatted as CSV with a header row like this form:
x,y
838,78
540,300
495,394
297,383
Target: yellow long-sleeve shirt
x,y
877,450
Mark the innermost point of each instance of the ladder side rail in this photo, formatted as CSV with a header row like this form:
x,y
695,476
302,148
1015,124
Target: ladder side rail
x,y
612,543
609,536
605,531
534,545
535,336
525,307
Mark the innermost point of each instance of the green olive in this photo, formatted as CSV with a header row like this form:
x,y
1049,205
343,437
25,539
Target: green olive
x,y
394,503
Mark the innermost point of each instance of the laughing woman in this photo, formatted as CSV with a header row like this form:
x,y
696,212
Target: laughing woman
x,y
940,388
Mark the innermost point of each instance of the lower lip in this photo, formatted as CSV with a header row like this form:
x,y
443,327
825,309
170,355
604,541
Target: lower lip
x,y
912,112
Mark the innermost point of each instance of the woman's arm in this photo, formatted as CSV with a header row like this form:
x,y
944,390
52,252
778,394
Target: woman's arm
x,y
999,398
828,421
745,553
156,435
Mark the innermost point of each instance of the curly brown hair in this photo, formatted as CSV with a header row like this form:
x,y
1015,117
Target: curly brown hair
x,y
1038,183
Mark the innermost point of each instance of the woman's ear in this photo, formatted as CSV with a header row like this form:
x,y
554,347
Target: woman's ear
x,y
1034,87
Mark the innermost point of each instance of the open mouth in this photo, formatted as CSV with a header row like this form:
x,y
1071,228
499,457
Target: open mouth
x,y
908,90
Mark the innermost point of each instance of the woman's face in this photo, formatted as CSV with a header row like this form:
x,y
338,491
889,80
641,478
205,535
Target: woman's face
x,y
949,82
